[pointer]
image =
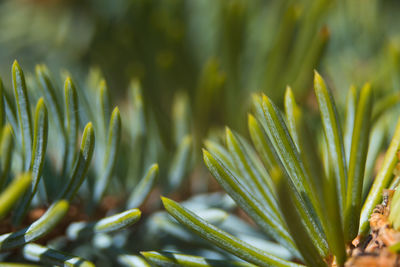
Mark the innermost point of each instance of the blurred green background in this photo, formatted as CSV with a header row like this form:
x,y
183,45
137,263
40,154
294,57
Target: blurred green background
x,y
215,53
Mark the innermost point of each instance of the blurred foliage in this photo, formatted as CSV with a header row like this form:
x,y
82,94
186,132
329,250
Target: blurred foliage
x,y
213,50
75,171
